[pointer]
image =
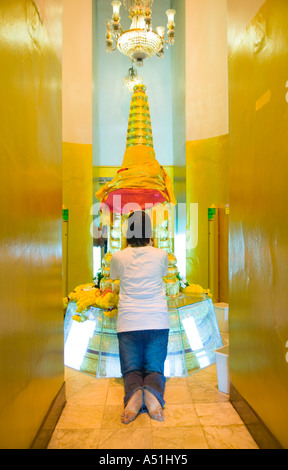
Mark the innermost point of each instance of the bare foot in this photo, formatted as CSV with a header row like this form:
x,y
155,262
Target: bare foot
x,y
133,407
154,408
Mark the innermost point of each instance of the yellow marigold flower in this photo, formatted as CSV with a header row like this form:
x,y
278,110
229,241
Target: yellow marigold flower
x,y
111,313
110,298
88,295
194,289
84,286
72,297
77,318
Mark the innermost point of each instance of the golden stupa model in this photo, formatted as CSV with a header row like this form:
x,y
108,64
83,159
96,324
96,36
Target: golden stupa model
x,y
141,183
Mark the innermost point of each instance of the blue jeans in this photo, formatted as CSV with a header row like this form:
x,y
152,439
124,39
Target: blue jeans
x,y
142,357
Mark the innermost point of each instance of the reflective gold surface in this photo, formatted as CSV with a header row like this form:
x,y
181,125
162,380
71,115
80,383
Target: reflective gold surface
x,y
258,223
207,184
31,338
77,197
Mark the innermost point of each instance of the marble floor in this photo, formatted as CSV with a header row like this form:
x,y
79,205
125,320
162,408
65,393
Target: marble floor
x,y
197,416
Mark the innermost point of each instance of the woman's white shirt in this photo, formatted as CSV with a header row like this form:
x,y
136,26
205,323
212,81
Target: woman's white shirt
x,y
142,299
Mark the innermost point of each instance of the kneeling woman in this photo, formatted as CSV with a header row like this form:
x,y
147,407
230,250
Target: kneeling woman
x,y
143,319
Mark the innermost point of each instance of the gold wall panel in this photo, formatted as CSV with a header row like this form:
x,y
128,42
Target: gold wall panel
x,y
207,184
31,332
258,148
78,199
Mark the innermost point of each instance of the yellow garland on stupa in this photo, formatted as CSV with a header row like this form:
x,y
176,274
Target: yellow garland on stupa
x,y
88,295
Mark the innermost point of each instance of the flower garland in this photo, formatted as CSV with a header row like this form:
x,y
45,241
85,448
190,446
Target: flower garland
x,y
196,289
88,295
192,289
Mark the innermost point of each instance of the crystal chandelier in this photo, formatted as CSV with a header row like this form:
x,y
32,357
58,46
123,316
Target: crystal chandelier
x,y
140,41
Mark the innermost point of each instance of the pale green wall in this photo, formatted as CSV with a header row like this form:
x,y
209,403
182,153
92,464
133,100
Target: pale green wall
x,y
111,101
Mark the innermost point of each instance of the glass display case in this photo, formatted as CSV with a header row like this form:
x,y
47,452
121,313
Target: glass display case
x,y
92,346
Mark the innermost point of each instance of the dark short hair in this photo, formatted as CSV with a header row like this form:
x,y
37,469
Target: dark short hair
x,y
139,229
